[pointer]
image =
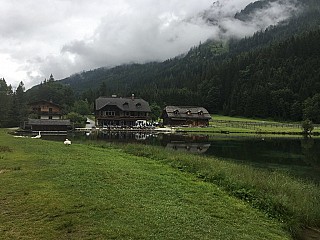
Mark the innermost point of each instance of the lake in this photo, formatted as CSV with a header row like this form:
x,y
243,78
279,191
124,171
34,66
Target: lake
x,y
297,155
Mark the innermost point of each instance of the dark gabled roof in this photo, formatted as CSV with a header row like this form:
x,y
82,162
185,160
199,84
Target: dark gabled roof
x,y
44,102
49,122
181,112
125,104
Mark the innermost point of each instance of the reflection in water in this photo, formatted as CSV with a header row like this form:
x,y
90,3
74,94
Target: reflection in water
x,y
311,152
123,136
297,155
188,147
185,142
167,138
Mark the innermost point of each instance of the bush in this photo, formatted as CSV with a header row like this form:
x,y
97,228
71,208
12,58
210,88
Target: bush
x,y
77,119
307,126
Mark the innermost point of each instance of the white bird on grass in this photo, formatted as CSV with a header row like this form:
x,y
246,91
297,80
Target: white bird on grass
x,y
67,142
37,136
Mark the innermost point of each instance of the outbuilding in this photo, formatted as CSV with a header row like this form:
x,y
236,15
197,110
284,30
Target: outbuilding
x,y
185,116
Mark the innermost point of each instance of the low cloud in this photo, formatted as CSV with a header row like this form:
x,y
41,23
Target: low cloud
x,y
63,37
222,16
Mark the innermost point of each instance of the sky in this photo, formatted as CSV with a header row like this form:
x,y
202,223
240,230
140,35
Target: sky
x,y
63,37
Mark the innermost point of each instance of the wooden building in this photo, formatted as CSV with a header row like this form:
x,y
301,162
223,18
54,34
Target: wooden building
x,y
185,116
45,110
48,125
116,111
46,116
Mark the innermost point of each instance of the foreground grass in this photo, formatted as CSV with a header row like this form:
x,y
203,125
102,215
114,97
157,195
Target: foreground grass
x,y
52,191
292,201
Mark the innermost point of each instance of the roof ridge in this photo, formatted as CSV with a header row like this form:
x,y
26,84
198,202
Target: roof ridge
x,y
184,106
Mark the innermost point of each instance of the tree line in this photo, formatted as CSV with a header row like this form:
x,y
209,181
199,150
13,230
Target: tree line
x,y
13,104
14,107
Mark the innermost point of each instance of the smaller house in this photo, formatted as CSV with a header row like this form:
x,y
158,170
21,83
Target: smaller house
x,y
45,110
185,115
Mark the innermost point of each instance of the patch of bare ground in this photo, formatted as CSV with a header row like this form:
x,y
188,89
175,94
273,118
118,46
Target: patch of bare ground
x,y
310,234
5,149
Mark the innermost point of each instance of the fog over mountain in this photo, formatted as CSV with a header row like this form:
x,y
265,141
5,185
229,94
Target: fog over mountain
x,y
64,37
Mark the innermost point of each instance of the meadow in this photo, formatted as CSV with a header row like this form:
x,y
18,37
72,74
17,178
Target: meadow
x,y
106,191
241,125
291,200
52,191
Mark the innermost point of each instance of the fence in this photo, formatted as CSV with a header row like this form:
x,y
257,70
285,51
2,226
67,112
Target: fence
x,y
257,125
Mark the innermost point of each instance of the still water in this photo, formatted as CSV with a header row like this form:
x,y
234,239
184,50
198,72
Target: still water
x,y
298,156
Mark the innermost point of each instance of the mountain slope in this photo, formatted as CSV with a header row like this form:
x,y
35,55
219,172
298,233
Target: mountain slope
x,y
224,76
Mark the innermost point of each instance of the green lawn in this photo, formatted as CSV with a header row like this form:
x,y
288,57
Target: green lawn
x,y
279,194
243,119
52,191
243,125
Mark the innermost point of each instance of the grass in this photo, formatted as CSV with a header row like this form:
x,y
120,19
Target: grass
x,y
242,119
52,191
227,124
292,201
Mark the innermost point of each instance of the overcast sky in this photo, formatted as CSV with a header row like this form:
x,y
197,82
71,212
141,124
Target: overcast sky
x,y
62,37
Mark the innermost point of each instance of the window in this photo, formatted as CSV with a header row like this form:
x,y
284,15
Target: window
x,y
111,113
200,113
138,105
188,112
108,113
176,111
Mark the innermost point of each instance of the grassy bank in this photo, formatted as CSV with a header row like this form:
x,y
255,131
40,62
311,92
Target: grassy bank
x,y
52,191
226,124
292,201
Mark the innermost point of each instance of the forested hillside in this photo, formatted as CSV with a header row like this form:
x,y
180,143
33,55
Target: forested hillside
x,y
273,74
281,81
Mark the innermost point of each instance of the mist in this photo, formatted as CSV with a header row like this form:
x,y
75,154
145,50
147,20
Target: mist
x,y
66,37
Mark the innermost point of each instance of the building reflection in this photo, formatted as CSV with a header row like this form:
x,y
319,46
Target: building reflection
x,y
125,136
186,142
188,147
179,142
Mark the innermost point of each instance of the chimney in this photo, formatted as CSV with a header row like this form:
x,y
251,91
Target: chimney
x,y
132,97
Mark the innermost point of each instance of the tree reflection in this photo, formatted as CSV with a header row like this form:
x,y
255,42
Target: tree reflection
x,y
311,152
